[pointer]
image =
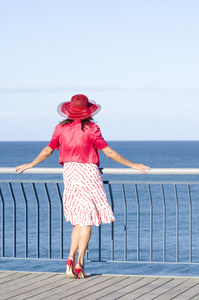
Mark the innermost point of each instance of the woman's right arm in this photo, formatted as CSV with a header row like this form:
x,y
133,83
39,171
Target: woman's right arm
x,y
45,153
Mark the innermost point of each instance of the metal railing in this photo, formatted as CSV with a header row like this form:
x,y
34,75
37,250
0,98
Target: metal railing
x,y
110,171
156,221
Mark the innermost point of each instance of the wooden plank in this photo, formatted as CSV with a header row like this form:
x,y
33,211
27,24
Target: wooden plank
x,y
51,286
43,286
76,286
106,291
20,282
98,290
15,280
6,274
142,293
12,276
179,290
191,293
196,297
163,288
127,287
137,288
32,284
139,284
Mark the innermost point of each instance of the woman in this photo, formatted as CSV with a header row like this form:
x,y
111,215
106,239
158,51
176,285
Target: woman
x,y
84,199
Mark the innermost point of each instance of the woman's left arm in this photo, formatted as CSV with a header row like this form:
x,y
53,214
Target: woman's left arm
x,y
121,160
45,153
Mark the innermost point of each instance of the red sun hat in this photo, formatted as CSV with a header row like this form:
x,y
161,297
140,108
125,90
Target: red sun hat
x,y
78,108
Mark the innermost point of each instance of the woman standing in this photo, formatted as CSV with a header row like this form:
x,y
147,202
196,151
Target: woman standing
x,y
84,199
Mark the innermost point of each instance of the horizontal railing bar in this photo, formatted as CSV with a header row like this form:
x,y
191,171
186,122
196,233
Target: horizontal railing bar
x,y
30,181
146,262
32,258
152,182
105,182
33,171
103,261
153,171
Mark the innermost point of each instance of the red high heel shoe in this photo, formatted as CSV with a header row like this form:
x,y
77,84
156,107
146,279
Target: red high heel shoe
x,y
70,268
80,271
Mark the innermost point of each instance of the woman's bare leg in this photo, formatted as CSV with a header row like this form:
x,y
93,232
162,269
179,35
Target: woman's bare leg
x,y
74,241
84,237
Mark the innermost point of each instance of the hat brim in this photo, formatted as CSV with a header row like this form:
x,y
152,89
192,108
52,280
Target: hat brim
x,y
65,111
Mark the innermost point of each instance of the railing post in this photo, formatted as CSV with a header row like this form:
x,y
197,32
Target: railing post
x,y
164,224
177,224
26,219
151,223
125,223
14,219
190,224
49,220
2,225
100,237
138,223
61,220
37,219
112,224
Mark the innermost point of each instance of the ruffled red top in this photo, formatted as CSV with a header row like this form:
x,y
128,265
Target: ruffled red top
x,y
78,145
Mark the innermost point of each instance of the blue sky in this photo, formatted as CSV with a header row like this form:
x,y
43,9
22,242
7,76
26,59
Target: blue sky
x,y
138,59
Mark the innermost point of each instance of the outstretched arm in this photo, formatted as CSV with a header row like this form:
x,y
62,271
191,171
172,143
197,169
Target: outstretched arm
x,y
45,153
121,160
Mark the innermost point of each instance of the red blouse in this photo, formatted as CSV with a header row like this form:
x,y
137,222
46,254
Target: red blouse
x,y
76,144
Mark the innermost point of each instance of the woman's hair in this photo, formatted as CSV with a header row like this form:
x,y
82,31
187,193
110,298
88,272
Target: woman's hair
x,y
83,122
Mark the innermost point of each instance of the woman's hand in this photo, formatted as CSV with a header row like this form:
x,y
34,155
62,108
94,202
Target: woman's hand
x,y
22,168
45,153
140,167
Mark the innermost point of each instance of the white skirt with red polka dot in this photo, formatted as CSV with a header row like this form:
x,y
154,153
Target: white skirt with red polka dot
x,y
84,199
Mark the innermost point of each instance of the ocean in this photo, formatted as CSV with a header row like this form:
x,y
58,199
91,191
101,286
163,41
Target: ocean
x,y
156,154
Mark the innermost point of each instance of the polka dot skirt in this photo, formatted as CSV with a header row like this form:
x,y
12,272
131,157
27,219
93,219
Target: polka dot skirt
x,y
85,201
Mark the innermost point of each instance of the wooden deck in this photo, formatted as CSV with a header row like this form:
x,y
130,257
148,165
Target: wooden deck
x,y
26,285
